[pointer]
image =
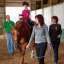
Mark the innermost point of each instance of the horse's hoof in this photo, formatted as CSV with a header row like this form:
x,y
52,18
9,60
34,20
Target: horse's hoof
x,y
25,63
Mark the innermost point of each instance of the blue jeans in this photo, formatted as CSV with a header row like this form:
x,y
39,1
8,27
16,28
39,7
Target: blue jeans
x,y
40,51
10,43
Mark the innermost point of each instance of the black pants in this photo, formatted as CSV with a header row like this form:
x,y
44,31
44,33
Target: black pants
x,y
55,45
40,51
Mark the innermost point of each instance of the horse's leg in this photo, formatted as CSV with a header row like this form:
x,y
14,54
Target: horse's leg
x,y
23,57
33,61
23,52
18,42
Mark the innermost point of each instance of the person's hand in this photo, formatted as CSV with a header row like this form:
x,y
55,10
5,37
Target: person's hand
x,y
59,36
28,46
49,46
49,49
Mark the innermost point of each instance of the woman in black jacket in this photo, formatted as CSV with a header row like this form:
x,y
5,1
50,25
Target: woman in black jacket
x,y
55,35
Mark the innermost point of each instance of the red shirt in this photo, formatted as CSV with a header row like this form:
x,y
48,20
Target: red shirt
x,y
26,14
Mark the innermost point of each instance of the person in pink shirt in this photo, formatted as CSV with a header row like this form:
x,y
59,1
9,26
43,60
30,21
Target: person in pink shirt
x,y
26,12
26,15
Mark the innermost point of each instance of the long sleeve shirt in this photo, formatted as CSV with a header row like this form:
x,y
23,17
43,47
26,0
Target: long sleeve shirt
x,y
40,34
54,31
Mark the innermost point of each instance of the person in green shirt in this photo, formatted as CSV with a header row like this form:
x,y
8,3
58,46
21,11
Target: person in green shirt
x,y
8,26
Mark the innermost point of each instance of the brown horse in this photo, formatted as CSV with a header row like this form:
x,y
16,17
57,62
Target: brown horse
x,y
22,35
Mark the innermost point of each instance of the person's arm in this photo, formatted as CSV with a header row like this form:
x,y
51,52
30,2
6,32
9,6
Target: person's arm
x,y
50,31
60,31
32,36
4,24
47,34
22,12
48,38
12,26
